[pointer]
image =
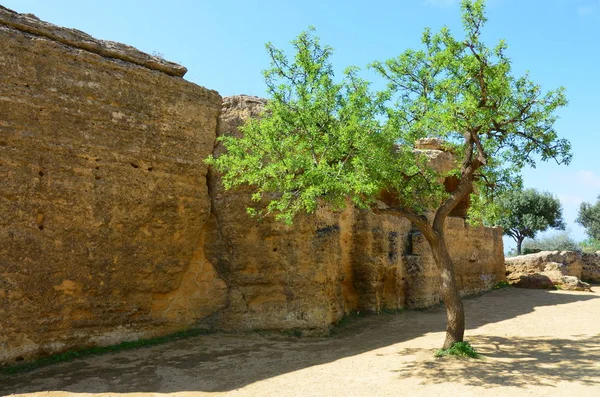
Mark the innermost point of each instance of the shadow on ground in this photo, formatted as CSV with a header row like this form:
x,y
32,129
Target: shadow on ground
x,y
224,362
514,362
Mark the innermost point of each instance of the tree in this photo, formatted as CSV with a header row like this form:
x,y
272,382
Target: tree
x,y
561,241
590,245
589,217
339,142
526,212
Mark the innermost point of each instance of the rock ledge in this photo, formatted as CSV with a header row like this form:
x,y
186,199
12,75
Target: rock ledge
x,y
29,23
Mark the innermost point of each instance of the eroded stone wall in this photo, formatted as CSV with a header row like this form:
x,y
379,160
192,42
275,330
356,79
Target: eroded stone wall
x,y
103,198
280,277
112,227
330,263
478,256
591,267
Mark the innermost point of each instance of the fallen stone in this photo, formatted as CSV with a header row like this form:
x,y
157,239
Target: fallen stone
x,y
569,283
547,269
533,281
569,263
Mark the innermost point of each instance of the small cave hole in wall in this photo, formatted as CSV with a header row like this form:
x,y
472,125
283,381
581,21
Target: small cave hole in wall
x,y
41,227
392,243
134,165
150,169
41,173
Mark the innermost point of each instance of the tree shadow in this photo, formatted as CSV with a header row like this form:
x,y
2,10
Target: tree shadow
x,y
225,362
514,362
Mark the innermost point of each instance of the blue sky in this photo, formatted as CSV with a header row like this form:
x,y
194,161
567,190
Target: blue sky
x,y
222,45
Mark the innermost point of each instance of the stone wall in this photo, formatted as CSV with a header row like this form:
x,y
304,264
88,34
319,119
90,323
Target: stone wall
x,y
328,264
548,269
112,228
104,200
590,271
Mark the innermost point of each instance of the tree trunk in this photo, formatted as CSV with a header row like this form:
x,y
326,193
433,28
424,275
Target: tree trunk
x,y
519,243
455,312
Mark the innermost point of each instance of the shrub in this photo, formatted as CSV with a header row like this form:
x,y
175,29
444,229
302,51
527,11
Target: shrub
x,y
590,245
560,241
459,349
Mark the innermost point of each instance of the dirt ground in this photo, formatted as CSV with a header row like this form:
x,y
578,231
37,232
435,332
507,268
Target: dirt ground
x,y
536,343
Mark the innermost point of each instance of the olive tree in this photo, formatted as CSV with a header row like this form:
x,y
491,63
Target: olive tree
x,y
589,217
526,212
338,141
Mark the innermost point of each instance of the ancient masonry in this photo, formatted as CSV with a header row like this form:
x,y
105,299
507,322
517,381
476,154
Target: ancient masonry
x,y
112,227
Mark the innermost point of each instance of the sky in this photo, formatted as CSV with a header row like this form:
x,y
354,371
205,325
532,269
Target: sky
x,y
222,43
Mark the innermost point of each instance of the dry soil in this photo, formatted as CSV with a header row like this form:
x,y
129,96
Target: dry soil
x,y
536,343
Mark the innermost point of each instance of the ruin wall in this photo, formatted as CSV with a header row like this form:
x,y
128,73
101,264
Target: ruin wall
x,y
103,198
112,228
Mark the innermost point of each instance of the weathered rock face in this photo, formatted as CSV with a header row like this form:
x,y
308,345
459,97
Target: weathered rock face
x,y
547,269
477,253
331,263
112,228
77,39
280,277
570,262
378,262
104,199
590,271
437,157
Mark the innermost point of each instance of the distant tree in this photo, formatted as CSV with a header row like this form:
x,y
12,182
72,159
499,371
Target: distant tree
x,y
590,245
589,217
561,241
321,140
523,213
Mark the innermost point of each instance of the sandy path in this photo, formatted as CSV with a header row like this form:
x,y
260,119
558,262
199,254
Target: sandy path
x,y
536,343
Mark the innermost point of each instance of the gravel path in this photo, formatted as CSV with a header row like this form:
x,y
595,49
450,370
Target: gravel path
x,y
536,343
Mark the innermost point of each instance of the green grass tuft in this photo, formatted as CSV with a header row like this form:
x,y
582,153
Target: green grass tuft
x,y
501,284
73,354
459,349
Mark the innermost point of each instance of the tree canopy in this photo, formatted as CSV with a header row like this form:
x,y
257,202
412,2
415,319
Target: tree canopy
x,y
526,212
339,140
589,217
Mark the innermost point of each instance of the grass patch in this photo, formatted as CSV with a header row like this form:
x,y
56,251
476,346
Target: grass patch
x,y
501,284
74,354
459,349
345,321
